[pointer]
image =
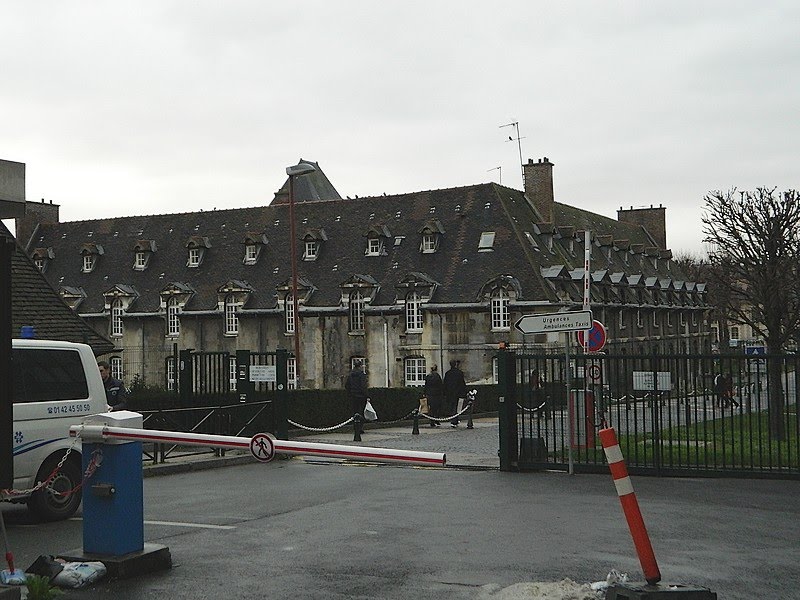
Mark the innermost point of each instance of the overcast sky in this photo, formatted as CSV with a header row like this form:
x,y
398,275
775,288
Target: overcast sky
x,y
127,108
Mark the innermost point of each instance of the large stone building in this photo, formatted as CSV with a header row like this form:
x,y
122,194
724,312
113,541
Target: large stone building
x,y
403,281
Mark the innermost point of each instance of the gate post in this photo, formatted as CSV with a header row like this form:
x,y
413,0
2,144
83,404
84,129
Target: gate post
x,y
281,412
185,376
243,384
507,409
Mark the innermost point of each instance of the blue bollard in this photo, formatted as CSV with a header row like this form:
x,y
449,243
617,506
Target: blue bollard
x,y
113,504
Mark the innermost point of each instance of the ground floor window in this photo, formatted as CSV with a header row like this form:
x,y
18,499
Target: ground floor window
x,y
415,371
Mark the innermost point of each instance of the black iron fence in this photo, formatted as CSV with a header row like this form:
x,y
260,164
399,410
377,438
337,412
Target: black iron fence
x,y
673,414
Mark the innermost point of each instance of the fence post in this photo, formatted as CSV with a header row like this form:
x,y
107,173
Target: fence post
x,y
415,427
656,414
507,410
281,412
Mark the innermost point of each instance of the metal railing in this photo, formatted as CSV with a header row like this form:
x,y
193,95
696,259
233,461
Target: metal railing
x,y
674,414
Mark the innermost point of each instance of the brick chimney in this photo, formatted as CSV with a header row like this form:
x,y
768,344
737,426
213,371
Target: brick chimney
x,y
653,219
539,187
35,213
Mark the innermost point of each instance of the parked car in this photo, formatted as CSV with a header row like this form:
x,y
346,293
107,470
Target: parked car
x,y
55,385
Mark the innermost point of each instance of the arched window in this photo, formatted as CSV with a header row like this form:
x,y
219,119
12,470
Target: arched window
x,y
356,311
231,319
116,318
413,313
173,318
500,315
288,311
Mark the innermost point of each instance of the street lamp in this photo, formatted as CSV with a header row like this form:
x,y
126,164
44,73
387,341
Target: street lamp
x,y
302,168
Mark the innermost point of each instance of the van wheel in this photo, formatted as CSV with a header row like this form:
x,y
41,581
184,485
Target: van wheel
x,y
53,507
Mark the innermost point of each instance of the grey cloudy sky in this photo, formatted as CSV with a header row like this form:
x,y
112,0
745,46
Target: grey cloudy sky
x,y
124,108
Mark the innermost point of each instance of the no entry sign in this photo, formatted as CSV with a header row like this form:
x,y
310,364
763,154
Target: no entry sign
x,y
597,336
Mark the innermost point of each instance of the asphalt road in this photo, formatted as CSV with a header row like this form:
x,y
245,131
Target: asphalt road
x,y
325,529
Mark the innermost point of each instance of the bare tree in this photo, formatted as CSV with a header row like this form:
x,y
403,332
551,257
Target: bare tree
x,y
755,249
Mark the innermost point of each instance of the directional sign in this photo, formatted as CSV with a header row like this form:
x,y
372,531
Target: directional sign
x,y
597,337
262,447
565,321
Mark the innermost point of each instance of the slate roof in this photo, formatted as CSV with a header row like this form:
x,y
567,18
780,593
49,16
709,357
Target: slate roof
x,y
458,268
35,302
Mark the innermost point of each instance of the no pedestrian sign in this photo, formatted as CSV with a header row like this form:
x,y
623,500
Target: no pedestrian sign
x,y
262,447
565,321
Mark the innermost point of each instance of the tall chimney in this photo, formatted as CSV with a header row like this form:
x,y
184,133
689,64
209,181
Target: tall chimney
x,y
539,187
653,219
35,213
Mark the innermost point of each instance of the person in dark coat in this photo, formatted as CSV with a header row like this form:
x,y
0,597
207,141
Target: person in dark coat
x,y
356,386
455,388
434,392
116,395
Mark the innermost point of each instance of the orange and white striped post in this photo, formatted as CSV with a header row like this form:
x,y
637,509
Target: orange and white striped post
x,y
630,506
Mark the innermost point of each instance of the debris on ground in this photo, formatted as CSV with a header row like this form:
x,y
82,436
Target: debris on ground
x,y
566,589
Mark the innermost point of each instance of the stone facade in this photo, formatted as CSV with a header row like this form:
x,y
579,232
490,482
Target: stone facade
x,y
403,281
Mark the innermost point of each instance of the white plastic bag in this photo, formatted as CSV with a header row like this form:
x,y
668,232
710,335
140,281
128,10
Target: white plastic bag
x,y
79,574
369,412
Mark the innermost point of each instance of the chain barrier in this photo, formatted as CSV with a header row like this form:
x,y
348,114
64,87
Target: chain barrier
x,y
443,419
405,418
532,410
94,464
320,429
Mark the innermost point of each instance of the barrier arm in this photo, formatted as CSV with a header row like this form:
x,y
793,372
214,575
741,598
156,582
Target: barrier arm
x,y
104,433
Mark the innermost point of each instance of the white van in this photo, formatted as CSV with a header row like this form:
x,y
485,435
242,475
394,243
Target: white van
x,y
56,385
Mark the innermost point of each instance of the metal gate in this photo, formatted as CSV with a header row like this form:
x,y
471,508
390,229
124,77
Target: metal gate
x,y
674,414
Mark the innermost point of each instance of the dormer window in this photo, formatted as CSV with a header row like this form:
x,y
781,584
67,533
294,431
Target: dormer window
x,y
311,250
374,246
89,254
143,250
196,249
194,257
140,261
312,243
253,243
41,257
486,243
88,263
432,233
377,236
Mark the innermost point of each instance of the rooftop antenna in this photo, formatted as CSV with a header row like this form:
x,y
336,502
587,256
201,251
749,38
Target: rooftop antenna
x,y
500,169
515,124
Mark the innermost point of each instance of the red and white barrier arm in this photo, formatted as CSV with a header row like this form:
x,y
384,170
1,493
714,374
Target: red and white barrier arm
x,y
101,433
630,506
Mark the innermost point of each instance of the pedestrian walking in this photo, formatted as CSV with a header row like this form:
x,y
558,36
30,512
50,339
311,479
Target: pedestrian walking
x,y
723,389
434,392
455,389
357,391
